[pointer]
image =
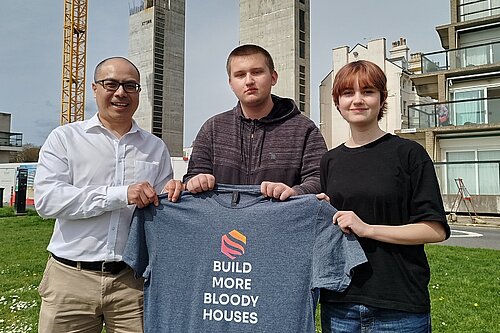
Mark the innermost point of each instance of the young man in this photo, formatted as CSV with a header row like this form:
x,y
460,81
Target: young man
x,y
90,176
263,140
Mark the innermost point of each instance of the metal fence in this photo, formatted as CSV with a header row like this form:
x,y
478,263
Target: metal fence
x,y
477,55
479,177
455,113
11,139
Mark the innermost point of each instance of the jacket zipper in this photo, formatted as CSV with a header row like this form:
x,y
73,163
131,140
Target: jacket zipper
x,y
250,150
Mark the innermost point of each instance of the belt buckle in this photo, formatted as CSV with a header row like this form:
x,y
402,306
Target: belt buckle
x,y
110,267
106,268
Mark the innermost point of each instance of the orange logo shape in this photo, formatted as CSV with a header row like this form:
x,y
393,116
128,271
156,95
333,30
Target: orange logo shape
x,y
232,244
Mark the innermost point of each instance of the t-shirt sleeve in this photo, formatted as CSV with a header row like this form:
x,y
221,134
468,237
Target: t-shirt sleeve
x,y
426,201
136,250
335,253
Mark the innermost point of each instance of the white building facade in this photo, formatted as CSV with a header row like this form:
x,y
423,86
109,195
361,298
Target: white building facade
x,y
401,92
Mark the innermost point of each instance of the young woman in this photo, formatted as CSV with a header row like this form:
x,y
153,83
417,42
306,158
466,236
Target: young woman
x,y
387,194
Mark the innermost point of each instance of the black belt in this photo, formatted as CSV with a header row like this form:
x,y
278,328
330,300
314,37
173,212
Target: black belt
x,y
113,267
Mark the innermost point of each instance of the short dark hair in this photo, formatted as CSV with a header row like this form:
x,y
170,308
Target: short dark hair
x,y
100,64
246,50
367,74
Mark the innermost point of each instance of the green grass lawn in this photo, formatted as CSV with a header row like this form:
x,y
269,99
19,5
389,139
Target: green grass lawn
x,y
465,289
23,256
465,284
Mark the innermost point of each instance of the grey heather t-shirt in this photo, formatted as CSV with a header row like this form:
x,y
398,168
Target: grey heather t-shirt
x,y
230,260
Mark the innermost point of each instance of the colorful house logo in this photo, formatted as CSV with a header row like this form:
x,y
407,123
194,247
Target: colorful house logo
x,y
232,244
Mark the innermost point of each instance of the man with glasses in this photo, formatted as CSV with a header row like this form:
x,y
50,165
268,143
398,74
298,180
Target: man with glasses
x,y
90,176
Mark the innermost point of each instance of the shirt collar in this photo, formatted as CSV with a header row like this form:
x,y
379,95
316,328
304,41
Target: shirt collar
x,y
95,122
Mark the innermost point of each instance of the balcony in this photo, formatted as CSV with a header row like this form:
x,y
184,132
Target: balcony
x,y
8,139
461,58
438,67
477,9
455,113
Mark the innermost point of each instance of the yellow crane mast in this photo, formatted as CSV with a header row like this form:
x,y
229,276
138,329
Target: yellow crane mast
x,y
74,57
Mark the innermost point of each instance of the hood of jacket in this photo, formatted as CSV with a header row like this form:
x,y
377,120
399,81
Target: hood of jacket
x,y
283,108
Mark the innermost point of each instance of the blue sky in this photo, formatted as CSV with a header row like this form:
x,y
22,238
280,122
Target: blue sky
x,y
31,50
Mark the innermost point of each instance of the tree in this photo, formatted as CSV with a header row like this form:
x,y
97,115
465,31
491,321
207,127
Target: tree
x,y
29,153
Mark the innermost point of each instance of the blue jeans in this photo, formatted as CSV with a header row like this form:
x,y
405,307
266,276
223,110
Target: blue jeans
x,y
350,318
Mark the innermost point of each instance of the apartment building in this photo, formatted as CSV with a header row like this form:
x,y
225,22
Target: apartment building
x,y
461,130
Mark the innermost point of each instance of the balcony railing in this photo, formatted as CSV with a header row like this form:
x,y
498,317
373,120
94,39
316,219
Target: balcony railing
x,y
477,55
479,177
477,9
455,113
11,139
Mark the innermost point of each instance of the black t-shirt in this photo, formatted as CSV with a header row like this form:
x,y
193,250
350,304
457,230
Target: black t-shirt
x,y
390,181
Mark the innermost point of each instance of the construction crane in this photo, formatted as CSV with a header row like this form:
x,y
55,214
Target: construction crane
x,y
74,61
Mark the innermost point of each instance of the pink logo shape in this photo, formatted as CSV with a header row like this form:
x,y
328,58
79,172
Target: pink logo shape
x,y
232,244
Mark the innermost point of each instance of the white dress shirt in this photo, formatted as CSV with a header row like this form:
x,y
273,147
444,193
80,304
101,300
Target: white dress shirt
x,y
81,180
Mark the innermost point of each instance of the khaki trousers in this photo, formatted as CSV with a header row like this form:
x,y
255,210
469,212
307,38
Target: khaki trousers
x,y
75,300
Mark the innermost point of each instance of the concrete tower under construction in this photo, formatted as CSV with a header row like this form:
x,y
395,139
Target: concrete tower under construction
x,y
156,46
282,28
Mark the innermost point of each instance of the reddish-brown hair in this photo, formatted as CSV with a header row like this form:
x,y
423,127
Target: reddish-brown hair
x,y
367,74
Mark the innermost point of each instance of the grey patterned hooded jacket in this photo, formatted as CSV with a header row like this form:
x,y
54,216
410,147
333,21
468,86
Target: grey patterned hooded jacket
x,y
285,146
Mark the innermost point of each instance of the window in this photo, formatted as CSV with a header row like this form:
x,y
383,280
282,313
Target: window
x,y
463,171
302,34
493,104
478,105
479,178
302,87
488,173
474,9
302,106
479,47
471,110
302,20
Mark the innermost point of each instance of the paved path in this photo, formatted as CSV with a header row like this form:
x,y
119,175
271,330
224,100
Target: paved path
x,y
486,237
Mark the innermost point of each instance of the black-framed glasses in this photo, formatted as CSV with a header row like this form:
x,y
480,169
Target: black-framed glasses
x,y
112,85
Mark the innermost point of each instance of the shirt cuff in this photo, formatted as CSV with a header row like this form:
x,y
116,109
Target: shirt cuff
x,y
117,197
